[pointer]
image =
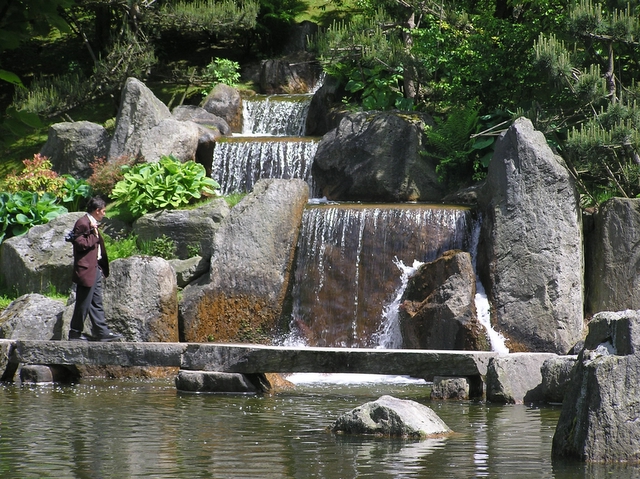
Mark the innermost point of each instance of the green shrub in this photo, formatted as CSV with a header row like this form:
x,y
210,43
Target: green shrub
x,y
24,209
163,247
120,248
167,184
221,70
75,193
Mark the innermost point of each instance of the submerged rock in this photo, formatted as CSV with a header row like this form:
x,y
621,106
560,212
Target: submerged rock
x,y
389,416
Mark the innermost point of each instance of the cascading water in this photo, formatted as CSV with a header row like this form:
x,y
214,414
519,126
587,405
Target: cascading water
x,y
345,272
271,145
277,115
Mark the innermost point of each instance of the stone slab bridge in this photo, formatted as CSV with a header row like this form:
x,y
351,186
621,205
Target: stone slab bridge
x,y
218,367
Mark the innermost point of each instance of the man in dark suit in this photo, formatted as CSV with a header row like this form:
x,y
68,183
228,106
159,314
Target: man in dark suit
x,y
90,264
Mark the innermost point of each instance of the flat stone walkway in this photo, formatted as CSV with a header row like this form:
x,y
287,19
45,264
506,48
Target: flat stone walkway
x,y
243,358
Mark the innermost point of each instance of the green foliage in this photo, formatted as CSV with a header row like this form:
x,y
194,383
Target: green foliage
x,y
597,129
75,193
212,16
122,247
193,250
163,247
165,184
21,210
379,89
221,70
233,199
50,95
37,176
463,144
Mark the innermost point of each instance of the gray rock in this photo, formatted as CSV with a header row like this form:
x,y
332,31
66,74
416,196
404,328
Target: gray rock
x,y
202,117
72,146
215,382
438,306
392,417
516,378
225,102
556,374
450,388
189,229
139,112
250,266
296,73
613,251
599,418
40,259
324,110
530,259
188,270
374,156
170,137
32,316
43,374
141,299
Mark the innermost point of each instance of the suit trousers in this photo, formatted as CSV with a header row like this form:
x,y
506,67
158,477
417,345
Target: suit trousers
x,y
89,301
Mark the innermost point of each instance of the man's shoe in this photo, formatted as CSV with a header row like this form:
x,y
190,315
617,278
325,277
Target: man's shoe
x,y
78,336
109,337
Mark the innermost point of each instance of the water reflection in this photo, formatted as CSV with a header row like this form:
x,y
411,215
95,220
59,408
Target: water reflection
x,y
109,429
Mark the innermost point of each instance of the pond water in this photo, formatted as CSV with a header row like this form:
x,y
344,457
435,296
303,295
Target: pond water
x,y
131,429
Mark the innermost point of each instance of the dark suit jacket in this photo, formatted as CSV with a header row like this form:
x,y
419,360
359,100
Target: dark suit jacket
x,y
85,254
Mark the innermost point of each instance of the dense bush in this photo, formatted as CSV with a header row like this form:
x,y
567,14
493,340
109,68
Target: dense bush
x,y
24,209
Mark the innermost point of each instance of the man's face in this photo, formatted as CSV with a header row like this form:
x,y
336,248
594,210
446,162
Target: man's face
x,y
98,214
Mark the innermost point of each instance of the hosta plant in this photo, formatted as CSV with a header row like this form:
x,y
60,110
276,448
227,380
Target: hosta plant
x,y
167,184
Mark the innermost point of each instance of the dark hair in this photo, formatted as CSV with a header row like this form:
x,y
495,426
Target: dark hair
x,y
95,203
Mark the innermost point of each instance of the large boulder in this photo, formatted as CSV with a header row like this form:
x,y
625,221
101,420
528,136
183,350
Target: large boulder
x,y
251,266
141,299
392,417
516,378
201,117
191,230
225,102
139,112
41,259
438,306
170,137
556,376
72,146
376,156
613,252
530,255
599,418
32,316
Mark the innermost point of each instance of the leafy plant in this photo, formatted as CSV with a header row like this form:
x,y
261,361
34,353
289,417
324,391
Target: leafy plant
x,y
166,184
463,144
37,176
121,248
24,209
379,90
221,70
163,247
105,174
75,192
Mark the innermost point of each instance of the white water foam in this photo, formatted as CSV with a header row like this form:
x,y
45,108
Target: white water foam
x,y
351,378
390,335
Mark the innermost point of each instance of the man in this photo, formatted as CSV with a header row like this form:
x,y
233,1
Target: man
x,y
90,264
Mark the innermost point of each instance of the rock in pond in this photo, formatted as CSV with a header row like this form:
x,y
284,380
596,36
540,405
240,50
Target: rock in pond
x,y
391,417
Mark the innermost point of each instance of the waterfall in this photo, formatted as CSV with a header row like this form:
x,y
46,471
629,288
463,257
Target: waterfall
x,y
278,115
345,272
239,163
270,146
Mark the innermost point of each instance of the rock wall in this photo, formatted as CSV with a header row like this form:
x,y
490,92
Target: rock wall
x,y
530,256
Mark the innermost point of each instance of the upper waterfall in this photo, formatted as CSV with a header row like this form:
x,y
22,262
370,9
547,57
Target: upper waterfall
x,y
278,115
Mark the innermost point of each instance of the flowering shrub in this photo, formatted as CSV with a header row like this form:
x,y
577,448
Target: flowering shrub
x,y
37,177
106,174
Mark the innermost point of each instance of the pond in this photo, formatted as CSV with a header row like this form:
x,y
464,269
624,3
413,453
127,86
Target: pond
x,y
145,428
